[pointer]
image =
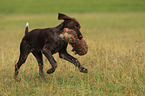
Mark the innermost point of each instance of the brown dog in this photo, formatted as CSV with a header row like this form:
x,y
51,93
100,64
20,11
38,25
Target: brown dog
x,y
47,41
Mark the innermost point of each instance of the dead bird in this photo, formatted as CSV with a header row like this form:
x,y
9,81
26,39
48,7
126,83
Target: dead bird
x,y
79,46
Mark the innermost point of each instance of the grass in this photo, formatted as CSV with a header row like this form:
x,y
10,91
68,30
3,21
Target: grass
x,y
77,6
115,60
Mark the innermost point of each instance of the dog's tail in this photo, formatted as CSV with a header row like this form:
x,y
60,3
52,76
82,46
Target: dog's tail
x,y
26,28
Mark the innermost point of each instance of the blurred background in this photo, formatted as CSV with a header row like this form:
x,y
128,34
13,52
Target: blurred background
x,y
113,29
69,6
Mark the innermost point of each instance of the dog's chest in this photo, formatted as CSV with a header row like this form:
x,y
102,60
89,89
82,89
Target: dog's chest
x,y
58,45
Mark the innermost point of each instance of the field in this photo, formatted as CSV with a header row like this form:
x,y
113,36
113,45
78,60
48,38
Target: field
x,y
115,60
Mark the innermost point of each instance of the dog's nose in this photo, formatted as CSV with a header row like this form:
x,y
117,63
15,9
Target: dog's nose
x,y
80,37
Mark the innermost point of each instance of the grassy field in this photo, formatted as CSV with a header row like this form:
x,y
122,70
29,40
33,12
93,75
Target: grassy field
x,y
71,6
115,60
114,31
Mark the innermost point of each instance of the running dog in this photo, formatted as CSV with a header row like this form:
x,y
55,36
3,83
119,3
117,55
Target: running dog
x,y
48,42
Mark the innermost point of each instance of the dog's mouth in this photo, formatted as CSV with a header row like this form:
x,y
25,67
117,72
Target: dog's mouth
x,y
80,36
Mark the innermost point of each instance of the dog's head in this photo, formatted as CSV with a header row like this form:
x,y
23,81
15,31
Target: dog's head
x,y
71,23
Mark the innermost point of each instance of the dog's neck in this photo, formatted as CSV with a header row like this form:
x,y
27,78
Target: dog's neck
x,y
61,26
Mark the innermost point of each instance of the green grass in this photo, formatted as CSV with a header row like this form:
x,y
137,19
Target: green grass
x,y
79,6
113,30
115,60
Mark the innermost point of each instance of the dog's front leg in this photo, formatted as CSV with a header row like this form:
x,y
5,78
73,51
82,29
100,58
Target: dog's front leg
x,y
63,54
50,58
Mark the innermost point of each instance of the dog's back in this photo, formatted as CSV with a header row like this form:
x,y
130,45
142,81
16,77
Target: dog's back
x,y
37,38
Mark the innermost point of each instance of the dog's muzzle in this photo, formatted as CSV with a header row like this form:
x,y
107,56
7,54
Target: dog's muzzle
x,y
80,36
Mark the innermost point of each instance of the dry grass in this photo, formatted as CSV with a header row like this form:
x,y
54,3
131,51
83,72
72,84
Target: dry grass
x,y
115,60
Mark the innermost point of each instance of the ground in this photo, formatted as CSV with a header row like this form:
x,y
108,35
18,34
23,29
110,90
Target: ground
x,y
114,32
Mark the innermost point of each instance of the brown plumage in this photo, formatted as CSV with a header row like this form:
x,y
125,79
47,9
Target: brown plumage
x,y
79,46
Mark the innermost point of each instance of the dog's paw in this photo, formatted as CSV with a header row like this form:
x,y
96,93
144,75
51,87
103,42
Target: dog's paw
x,y
49,71
83,70
16,78
44,79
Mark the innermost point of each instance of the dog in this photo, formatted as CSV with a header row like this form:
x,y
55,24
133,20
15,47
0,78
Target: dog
x,y
47,41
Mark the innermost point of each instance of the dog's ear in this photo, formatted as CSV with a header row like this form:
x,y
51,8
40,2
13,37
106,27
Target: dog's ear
x,y
63,16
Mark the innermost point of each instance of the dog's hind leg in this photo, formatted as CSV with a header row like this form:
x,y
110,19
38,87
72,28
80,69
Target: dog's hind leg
x,y
38,56
22,58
